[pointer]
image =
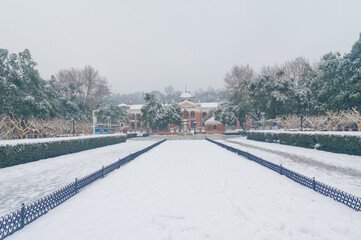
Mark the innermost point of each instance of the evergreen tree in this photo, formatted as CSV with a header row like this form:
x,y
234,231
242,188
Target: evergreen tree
x,y
150,110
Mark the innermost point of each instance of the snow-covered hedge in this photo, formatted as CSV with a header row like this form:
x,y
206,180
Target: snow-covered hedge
x,y
332,142
13,154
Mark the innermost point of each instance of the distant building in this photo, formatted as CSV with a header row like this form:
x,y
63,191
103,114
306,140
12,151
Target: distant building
x,y
194,113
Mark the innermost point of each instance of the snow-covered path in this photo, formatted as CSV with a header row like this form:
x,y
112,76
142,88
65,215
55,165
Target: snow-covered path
x,y
32,181
338,170
195,190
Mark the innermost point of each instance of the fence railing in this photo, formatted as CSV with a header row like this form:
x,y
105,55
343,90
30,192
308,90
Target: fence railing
x,y
338,195
16,220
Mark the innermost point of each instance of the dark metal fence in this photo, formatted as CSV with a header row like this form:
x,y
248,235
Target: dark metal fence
x,y
16,220
338,195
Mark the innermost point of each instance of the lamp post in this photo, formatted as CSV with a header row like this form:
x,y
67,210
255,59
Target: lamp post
x,y
94,120
109,124
73,128
263,121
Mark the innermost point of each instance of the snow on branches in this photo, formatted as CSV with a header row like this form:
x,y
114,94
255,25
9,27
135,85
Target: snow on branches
x,y
331,121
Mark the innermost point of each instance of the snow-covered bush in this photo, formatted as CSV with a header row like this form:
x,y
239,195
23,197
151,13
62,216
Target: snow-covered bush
x,y
340,143
28,152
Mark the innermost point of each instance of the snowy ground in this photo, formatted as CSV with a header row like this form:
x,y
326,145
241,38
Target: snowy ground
x,y
338,170
29,182
195,190
55,139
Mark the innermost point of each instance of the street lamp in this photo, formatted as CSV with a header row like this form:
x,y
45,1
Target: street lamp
x,y
94,120
301,122
109,124
263,121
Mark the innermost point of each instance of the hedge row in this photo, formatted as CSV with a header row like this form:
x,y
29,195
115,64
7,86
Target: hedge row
x,y
28,152
348,144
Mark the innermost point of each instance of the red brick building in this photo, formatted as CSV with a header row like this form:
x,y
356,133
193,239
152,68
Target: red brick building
x,y
193,112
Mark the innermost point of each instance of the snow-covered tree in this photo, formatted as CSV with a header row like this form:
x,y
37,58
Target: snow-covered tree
x,y
225,113
168,114
116,114
150,110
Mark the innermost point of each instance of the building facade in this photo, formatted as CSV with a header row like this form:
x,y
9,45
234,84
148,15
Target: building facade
x,y
193,113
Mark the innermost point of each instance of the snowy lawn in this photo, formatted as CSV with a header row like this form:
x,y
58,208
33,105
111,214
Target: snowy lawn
x,y
195,190
338,170
55,139
31,181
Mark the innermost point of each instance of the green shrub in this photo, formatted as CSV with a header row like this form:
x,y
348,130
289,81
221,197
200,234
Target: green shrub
x,y
349,144
340,144
304,140
28,152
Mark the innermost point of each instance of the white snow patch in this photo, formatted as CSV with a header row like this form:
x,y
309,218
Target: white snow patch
x,y
32,181
55,139
195,190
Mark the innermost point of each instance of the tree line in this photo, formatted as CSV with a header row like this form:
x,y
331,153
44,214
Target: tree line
x,y
297,87
168,95
70,94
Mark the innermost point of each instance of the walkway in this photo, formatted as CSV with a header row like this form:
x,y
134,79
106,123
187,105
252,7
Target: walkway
x,y
195,190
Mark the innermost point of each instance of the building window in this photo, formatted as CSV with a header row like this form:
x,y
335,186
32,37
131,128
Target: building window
x,y
138,124
138,116
204,114
185,114
192,114
133,125
209,127
215,127
132,116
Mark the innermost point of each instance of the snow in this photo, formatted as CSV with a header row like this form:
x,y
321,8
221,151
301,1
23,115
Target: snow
x,y
136,107
185,95
209,105
32,181
339,133
40,140
338,170
211,121
195,190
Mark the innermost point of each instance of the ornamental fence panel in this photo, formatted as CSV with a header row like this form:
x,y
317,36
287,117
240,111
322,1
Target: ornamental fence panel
x,y
322,188
16,220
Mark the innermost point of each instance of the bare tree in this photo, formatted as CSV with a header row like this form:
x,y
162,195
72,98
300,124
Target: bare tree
x,y
275,71
289,122
297,69
86,83
238,79
6,128
354,116
20,124
316,122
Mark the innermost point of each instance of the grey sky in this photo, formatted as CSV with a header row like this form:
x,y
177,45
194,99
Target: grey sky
x,y
146,45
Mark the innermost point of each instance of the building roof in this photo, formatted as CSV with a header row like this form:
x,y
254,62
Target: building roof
x,y
209,105
212,121
136,106
186,95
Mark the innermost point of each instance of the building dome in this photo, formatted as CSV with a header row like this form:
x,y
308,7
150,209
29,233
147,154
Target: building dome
x,y
186,96
212,121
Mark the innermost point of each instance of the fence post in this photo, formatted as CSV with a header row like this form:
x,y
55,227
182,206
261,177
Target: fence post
x,y
119,163
314,184
281,169
22,215
102,171
76,185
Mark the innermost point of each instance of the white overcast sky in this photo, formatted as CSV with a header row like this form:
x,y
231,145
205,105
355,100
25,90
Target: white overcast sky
x,y
150,44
